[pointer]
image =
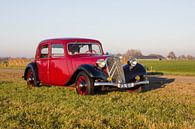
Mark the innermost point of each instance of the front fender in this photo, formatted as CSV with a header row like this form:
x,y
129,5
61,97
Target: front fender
x,y
92,72
132,73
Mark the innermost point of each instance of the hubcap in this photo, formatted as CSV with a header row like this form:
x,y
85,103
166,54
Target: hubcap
x,y
82,85
30,78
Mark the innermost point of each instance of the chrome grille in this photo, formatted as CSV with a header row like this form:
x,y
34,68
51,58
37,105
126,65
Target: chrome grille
x,y
115,69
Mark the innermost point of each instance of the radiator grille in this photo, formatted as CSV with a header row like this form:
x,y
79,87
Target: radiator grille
x,y
115,69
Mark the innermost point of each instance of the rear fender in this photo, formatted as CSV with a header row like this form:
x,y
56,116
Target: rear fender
x,y
34,69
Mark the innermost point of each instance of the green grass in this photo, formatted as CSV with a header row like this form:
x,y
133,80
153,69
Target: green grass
x,y
58,107
174,67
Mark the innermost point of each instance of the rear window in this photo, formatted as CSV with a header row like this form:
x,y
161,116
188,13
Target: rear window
x,y
44,51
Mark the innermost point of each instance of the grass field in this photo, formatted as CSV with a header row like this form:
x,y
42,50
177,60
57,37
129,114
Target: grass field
x,y
174,67
171,67
58,107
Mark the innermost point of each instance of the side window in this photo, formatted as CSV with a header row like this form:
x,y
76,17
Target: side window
x,y
44,51
57,50
97,49
84,48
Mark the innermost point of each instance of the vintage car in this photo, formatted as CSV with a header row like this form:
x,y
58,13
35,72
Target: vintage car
x,y
82,63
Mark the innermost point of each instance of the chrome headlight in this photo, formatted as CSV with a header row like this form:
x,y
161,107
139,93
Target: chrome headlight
x,y
132,62
101,63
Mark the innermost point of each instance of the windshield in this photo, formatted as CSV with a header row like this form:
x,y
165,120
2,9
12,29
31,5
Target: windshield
x,y
84,48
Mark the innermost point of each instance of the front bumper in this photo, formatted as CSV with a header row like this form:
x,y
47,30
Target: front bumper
x,y
122,85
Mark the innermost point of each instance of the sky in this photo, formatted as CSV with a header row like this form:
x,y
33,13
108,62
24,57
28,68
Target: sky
x,y
152,26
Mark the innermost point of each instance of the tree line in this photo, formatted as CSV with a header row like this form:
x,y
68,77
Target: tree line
x,y
133,53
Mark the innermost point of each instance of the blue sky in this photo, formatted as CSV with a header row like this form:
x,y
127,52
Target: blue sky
x,y
152,26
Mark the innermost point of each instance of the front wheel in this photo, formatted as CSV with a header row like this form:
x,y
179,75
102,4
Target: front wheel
x,y
84,84
135,89
138,88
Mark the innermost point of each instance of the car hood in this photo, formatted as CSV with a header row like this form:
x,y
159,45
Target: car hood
x,y
86,59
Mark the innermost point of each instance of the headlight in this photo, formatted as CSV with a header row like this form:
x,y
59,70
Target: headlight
x,y
132,62
101,63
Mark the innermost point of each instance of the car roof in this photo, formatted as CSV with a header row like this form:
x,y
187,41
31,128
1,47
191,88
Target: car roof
x,y
71,40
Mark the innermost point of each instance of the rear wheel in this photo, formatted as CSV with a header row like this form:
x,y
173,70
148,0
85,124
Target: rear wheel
x,y
31,79
84,84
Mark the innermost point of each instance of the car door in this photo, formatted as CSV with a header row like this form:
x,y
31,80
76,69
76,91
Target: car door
x,y
58,64
43,63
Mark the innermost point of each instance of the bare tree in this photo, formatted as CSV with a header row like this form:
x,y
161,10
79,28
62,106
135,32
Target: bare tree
x,y
133,53
189,57
182,57
5,62
171,55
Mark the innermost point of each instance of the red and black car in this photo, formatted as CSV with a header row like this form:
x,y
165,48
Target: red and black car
x,y
82,62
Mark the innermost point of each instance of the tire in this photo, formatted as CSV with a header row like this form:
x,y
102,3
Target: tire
x,y
135,89
84,84
31,79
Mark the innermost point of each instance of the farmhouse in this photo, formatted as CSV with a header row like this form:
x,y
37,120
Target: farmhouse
x,y
151,57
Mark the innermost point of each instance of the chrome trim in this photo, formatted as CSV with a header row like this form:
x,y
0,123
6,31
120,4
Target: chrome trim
x,y
115,68
121,85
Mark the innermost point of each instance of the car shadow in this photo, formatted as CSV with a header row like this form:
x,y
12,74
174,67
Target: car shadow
x,y
157,82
